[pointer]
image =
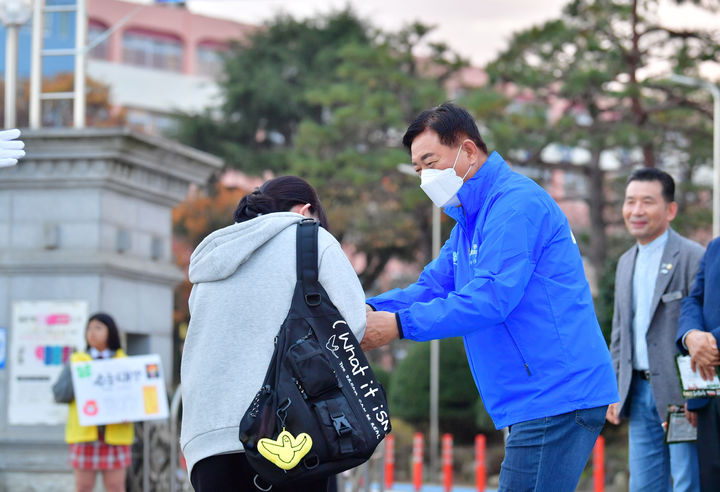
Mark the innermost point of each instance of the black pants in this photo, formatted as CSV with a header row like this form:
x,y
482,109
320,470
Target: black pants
x,y
232,473
708,445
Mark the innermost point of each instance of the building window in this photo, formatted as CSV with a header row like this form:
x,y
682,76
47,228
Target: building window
x,y
151,123
48,24
102,50
209,59
66,25
153,50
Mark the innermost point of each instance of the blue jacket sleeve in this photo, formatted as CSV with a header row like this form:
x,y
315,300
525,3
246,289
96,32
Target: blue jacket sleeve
x,y
716,333
436,280
691,311
505,262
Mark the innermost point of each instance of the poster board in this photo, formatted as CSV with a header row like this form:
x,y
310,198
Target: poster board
x,y
123,389
43,334
678,429
692,384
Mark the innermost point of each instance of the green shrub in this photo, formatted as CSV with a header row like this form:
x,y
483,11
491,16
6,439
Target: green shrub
x,y
459,412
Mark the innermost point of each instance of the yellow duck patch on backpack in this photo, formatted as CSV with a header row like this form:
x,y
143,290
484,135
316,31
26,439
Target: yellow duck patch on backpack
x,y
286,451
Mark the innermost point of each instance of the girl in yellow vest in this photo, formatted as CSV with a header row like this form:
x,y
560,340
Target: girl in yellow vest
x,y
103,448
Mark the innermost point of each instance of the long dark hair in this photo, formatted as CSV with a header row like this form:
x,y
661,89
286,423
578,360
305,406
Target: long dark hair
x,y
113,340
280,195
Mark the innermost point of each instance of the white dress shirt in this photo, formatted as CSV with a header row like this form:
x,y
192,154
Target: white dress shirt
x,y
97,354
647,266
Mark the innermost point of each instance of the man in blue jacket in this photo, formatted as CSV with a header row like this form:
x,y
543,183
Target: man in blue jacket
x,y
510,281
699,335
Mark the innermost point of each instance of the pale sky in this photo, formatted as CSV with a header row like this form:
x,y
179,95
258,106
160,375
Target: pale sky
x,y
478,29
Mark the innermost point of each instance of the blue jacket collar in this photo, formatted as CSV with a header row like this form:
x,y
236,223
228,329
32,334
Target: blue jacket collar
x,y
474,191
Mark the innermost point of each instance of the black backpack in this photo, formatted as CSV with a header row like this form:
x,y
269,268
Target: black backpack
x,y
321,409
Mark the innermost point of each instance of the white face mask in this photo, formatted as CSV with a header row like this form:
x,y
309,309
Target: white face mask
x,y
442,185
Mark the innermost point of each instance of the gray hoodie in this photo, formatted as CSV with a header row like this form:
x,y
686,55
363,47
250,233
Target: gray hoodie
x,y
244,277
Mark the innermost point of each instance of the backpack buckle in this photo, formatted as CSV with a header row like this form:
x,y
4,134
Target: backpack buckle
x,y
341,424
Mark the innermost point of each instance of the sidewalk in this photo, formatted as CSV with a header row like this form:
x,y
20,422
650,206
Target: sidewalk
x,y
407,487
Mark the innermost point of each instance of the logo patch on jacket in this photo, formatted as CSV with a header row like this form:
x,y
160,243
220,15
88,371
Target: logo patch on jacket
x,y
473,254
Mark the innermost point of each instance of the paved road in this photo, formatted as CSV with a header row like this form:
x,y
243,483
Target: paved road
x,y
408,487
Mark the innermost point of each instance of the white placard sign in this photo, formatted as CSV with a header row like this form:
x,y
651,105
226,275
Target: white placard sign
x,y
43,334
123,389
693,385
678,428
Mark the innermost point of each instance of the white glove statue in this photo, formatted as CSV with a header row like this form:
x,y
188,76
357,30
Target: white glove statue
x,y
10,149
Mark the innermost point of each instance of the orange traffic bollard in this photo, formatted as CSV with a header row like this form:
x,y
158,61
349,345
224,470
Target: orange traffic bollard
x,y
389,461
599,464
447,461
480,462
417,460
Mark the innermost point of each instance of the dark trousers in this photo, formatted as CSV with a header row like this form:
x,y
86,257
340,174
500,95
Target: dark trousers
x,y
708,445
232,473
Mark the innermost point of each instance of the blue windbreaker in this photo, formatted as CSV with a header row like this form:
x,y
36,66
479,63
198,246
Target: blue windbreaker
x,y
510,281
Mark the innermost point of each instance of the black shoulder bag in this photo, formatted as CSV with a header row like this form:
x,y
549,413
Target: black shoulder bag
x,y
321,409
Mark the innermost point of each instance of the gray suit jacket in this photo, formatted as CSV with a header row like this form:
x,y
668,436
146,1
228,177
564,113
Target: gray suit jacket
x,y
673,284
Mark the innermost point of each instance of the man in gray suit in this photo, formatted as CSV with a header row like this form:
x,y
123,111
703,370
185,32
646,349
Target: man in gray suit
x,y
652,278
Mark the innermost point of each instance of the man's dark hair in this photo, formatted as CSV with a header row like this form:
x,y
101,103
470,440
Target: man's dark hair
x,y
280,195
450,122
654,174
113,339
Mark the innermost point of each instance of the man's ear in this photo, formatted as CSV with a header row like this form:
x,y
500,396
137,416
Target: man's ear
x,y
672,211
470,149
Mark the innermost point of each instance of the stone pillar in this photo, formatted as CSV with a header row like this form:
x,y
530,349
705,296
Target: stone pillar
x,y
87,216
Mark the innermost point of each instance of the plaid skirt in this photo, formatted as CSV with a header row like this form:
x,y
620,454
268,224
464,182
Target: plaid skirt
x,y
99,455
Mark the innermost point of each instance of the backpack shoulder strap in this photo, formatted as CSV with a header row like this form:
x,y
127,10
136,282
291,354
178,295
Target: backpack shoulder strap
x,y
307,261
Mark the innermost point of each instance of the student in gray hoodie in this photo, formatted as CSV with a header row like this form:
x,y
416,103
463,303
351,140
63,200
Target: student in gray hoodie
x,y
244,276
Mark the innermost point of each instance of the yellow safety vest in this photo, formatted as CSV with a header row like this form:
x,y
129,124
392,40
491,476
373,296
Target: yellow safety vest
x,y
116,434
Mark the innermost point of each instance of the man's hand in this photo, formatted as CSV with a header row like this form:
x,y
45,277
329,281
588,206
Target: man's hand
x,y
10,149
368,308
691,416
381,329
703,353
612,413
